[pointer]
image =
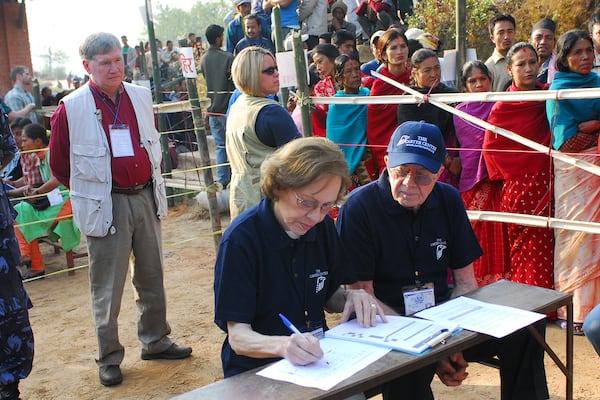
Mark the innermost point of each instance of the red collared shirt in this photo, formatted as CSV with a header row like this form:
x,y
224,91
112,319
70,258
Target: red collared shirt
x,y
31,168
126,171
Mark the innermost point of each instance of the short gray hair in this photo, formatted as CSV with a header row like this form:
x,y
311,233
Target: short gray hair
x,y
98,43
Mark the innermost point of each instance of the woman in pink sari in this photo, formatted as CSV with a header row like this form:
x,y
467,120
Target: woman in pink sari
x,y
476,189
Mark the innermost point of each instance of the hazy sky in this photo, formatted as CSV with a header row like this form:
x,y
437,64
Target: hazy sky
x,y
63,24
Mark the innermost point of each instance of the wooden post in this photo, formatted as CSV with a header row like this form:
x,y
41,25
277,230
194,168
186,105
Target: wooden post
x,y
302,89
461,38
276,14
211,195
158,98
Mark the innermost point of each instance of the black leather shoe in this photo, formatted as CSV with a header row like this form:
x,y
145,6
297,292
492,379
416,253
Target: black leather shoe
x,y
10,391
172,353
110,375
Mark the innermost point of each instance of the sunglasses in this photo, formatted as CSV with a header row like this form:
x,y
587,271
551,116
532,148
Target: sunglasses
x,y
270,70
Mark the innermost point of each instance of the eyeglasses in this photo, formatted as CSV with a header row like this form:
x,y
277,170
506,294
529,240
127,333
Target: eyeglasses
x,y
313,205
420,177
270,70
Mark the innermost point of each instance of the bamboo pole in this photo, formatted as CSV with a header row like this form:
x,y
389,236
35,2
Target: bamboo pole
x,y
277,33
302,90
461,38
158,98
211,195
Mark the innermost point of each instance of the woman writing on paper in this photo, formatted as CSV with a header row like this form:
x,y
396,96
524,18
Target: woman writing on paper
x,y
284,256
576,124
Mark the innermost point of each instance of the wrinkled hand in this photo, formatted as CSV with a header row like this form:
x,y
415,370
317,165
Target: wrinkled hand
x,y
453,165
365,306
591,126
303,349
452,370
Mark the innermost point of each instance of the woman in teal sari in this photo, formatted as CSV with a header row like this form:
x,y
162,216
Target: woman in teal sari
x,y
47,209
347,123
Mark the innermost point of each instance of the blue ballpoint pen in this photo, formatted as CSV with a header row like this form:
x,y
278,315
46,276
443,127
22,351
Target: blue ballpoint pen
x,y
290,326
293,328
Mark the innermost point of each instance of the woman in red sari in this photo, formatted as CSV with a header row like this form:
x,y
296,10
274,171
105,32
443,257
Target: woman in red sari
x,y
526,174
324,56
381,118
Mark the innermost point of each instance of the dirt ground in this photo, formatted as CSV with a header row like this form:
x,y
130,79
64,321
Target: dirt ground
x,y
65,344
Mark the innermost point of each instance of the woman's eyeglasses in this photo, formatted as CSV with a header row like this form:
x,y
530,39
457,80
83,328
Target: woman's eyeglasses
x,y
421,178
270,70
313,205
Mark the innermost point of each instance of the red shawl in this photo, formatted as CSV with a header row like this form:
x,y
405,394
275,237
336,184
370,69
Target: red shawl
x,y
323,88
381,118
526,118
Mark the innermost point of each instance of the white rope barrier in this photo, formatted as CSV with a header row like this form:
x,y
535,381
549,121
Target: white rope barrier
x,y
534,220
533,95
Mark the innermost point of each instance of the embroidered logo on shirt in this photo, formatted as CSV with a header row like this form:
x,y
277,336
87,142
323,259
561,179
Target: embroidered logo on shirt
x,y
321,278
440,246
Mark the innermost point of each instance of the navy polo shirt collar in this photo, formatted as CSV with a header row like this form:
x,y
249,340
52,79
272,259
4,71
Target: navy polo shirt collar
x,y
279,238
393,207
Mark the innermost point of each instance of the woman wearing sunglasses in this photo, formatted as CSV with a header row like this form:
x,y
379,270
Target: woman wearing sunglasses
x,y
256,125
284,256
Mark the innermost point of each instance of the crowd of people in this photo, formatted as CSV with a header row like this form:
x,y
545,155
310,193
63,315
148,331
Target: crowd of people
x,y
412,171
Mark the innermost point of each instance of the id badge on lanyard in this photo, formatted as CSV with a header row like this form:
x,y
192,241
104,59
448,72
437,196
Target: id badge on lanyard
x,y
418,297
120,140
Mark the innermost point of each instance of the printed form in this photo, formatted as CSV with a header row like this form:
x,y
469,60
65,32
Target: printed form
x,y
482,317
342,359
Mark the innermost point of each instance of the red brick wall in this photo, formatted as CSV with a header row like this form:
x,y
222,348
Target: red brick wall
x,y
14,43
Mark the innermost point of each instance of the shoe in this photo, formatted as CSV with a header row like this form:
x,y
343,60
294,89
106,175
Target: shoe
x,y
110,375
172,353
34,274
10,391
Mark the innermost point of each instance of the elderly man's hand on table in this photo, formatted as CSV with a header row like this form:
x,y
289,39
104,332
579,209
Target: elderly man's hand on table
x,y
365,306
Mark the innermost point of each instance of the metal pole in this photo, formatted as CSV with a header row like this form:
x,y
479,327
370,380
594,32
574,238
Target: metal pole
x,y
302,89
158,99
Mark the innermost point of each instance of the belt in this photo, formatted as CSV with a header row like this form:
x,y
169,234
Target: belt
x,y
131,190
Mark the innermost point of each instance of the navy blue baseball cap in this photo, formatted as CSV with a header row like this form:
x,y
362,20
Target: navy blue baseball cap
x,y
417,143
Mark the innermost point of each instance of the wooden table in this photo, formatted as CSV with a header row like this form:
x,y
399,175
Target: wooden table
x,y
249,386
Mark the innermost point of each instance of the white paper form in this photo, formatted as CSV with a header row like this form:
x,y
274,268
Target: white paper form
x,y
410,335
342,359
482,317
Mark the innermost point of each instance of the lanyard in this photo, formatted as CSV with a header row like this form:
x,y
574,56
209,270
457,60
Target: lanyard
x,y
414,241
301,296
115,114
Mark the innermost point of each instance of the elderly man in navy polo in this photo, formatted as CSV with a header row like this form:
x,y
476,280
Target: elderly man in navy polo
x,y
402,234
